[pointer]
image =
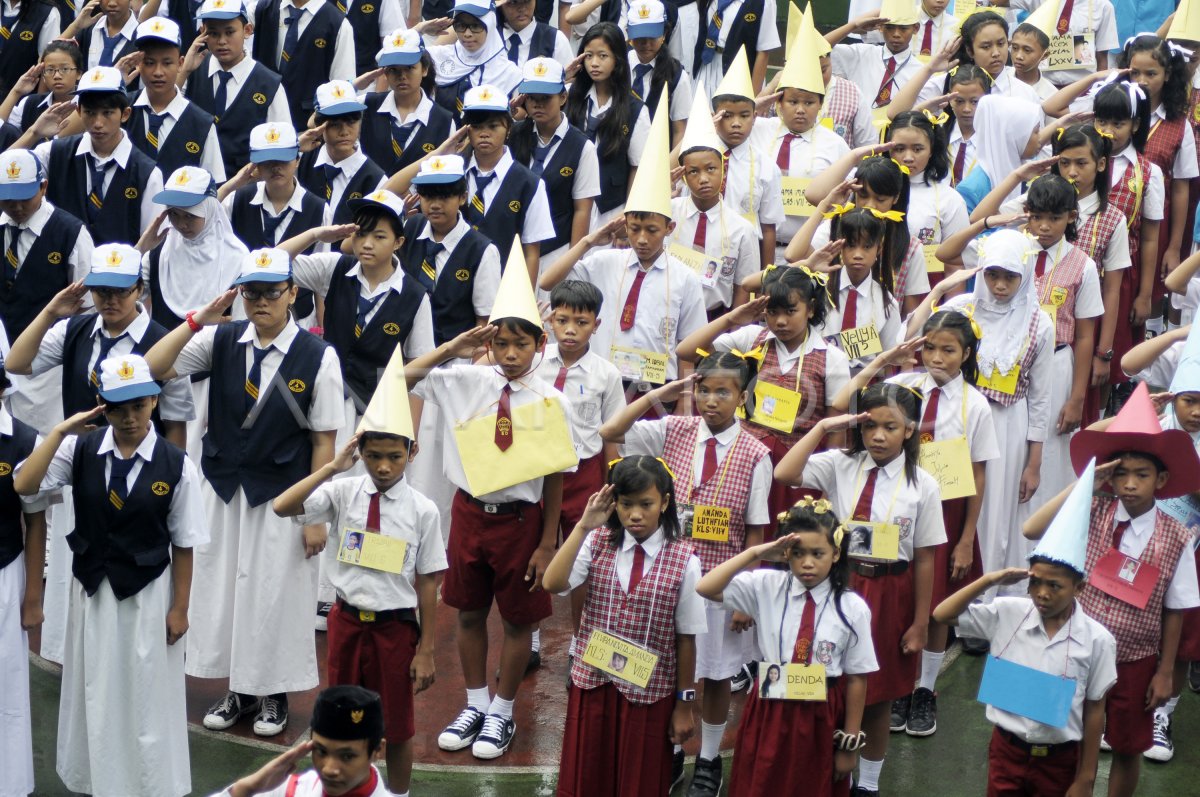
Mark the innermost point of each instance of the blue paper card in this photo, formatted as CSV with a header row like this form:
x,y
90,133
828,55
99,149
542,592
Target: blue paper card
x,y
1027,692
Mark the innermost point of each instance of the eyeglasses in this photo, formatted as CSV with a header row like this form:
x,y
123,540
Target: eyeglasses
x,y
270,294
468,27
114,293
58,70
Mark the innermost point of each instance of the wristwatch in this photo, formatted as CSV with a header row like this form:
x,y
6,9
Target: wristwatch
x,y
1105,355
686,695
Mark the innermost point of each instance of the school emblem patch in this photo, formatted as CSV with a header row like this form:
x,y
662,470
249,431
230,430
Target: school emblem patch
x,y
297,386
566,171
428,148
192,147
514,206
750,17
391,329
367,8
356,716
320,43
26,35
1133,186
259,98
160,488
54,258
131,193
5,469
503,427
462,275
355,195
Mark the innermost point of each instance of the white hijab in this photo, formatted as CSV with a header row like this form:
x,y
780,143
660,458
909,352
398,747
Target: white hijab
x,y
462,62
1003,126
192,272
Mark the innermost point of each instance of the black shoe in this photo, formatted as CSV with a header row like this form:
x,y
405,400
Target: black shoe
x,y
858,791
742,680
230,710
272,718
1193,678
676,769
900,711
975,647
462,732
535,661
707,777
922,719
323,610
495,736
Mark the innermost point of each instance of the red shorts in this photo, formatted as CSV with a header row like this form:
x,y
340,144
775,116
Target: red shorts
x,y
578,487
1129,725
376,656
1014,771
1189,637
891,600
489,555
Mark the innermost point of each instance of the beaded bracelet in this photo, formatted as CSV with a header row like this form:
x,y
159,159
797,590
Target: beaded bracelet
x,y
849,742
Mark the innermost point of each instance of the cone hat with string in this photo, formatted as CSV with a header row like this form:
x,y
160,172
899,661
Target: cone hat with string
x,y
651,190
514,297
802,68
700,131
1065,541
1045,18
1186,24
1136,429
899,12
389,410
808,29
737,82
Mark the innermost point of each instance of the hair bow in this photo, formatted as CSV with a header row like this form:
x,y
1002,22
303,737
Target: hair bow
x,y
900,166
758,354
703,353
1135,93
1061,131
839,534
936,120
839,210
613,463
1179,50
819,506
966,310
1104,134
887,215
815,276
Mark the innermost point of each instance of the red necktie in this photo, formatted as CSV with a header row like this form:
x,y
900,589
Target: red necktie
x,y
850,311
784,159
630,310
709,467
927,39
560,381
701,239
802,650
504,430
1039,268
862,510
929,419
1064,19
1119,533
724,171
885,86
960,161
639,564
373,513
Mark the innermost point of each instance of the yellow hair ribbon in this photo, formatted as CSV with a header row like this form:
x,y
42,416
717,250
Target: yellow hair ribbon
x,y
838,535
889,215
819,506
815,276
1104,134
937,120
1058,136
613,463
839,210
757,354
920,396
966,310
702,352
900,166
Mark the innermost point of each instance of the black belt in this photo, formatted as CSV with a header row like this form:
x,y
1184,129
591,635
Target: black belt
x,y
505,508
387,615
877,569
1060,347
1036,750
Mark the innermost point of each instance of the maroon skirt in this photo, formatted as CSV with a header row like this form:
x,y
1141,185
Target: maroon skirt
x,y
891,601
1125,335
1189,638
954,512
788,742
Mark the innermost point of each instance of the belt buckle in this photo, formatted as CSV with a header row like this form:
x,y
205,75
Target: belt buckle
x,y
491,509
1039,750
869,569
366,617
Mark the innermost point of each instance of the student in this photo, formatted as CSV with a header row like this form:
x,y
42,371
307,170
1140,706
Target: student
x,y
781,742
653,69
185,15
59,70
31,28
726,33
1027,49
106,44
879,72
845,110
1150,464
256,631
348,729
1091,24
476,57
132,492
339,171
305,42
1043,633
526,37
640,573
882,489
935,28
381,633
727,471
371,23
226,82
1007,132
519,531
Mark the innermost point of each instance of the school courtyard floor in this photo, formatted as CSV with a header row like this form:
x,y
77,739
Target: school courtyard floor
x,y
952,763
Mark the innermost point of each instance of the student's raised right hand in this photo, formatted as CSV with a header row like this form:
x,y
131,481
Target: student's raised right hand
x,y
840,423
1030,169
871,150
868,22
952,281
904,355
273,773
312,138
748,313
1008,576
80,422
334,232
599,508
153,235
946,58
28,82
605,235
68,301
195,54
344,459
777,549
88,17
48,124
214,311
471,341
455,144
673,391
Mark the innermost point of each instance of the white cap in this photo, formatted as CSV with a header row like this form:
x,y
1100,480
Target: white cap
x,y
647,19
101,79
21,174
187,186
402,48
273,142
485,98
126,377
476,9
541,76
114,266
337,97
223,9
265,265
161,29
440,169
381,198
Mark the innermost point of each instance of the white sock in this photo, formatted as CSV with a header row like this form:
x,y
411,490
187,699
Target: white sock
x,y
710,739
536,644
479,699
868,774
678,747
1168,709
406,794
501,707
931,665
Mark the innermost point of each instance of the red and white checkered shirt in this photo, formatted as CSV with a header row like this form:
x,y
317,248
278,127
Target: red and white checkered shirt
x,y
1067,276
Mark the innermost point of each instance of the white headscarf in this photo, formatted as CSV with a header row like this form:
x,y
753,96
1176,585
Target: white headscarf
x,y
1005,326
462,62
192,272
1003,126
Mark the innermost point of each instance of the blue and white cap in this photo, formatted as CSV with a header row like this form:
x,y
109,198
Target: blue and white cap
x,y
101,80
402,48
475,9
337,97
647,19
1187,373
1065,541
126,377
186,187
114,266
21,174
381,198
160,29
273,142
265,265
485,98
223,9
440,169
541,76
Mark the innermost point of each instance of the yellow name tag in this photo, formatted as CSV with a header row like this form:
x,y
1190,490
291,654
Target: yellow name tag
x,y
1002,383
879,116
789,681
751,217
373,550
639,365
707,267
932,264
619,658
710,523
1052,311
775,407
541,445
949,463
861,342
870,540
794,202
1071,51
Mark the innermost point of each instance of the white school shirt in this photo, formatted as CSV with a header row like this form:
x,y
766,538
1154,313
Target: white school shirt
x,y
754,182
935,210
277,111
96,43
1184,166
309,785
562,48
185,519
865,66
403,513
594,389
915,508
1116,253
419,114
120,154
690,617
538,225
1160,372
837,367
210,151
342,67
868,309
80,257
668,284
639,133
326,412
1083,650
487,276
315,272
980,430
1182,591
587,171
349,167
776,599
809,154
649,438
1087,16
679,103
463,392
175,403
1153,190
295,204
727,237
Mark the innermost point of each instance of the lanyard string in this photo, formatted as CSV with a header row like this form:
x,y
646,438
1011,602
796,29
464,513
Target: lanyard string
x,y
724,468
1050,277
787,599
667,268
858,487
1070,624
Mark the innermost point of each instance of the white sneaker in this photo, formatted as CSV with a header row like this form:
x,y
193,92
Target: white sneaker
x,y
495,737
1105,747
1163,749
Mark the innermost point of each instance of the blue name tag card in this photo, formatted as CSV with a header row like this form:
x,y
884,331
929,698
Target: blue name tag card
x,y
1027,692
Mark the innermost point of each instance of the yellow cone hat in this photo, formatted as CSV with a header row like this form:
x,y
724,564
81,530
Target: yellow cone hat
x,y
1045,18
793,25
899,12
701,132
514,297
802,69
809,30
1186,24
737,80
389,410
651,190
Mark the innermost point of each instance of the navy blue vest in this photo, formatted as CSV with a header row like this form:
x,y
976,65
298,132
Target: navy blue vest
x,y
14,449
743,32
558,174
376,137
130,546
614,168
450,300
541,43
181,12
364,18
361,183
247,111
247,222
121,217
507,210
183,146
78,394
309,66
276,451
43,273
20,51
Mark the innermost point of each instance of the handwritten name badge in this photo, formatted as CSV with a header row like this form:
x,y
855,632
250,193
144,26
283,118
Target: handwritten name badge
x,y
707,267
871,540
620,659
1071,51
794,202
1001,383
792,681
949,463
371,549
639,365
861,342
775,407
932,264
711,523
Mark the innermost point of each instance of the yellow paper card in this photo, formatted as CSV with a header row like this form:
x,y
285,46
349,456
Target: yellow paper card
x,y
1071,51
826,123
639,365
619,658
541,445
775,407
949,463
711,523
861,342
794,202
869,540
788,681
706,266
373,550
932,264
1052,311
879,116
751,217
1002,383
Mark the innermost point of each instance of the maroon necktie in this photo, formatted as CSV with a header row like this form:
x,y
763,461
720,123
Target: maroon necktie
x,y
639,564
929,419
1039,268
927,39
784,159
802,650
504,430
701,239
1119,533
1064,19
560,381
373,513
629,313
960,161
724,171
862,510
709,467
884,96
850,311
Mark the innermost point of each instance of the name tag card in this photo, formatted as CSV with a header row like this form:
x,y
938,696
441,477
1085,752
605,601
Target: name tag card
x,y
620,659
707,267
949,462
1183,509
1071,51
1027,692
794,202
1002,383
791,681
861,342
639,365
1124,578
870,540
541,445
932,264
371,549
775,407
710,523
